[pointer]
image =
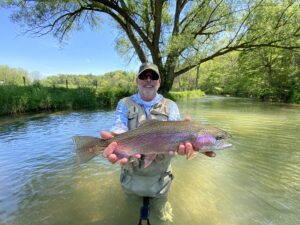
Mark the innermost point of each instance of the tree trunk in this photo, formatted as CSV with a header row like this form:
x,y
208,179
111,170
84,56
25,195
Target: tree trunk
x,y
166,84
167,79
165,87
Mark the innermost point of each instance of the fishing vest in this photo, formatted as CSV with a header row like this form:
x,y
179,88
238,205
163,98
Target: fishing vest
x,y
154,180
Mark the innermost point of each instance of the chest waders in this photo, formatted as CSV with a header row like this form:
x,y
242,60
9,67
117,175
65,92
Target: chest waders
x,y
155,180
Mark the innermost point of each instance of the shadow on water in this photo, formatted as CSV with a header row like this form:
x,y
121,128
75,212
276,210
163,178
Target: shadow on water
x,y
257,181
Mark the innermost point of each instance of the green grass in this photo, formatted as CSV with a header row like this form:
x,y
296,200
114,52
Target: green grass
x,y
36,98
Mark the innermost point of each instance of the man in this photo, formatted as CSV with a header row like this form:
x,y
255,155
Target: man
x,y
155,179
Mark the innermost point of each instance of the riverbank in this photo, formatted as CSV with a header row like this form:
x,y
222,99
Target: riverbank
x,y
37,98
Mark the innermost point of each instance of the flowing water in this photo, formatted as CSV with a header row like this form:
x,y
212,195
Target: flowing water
x,y
257,181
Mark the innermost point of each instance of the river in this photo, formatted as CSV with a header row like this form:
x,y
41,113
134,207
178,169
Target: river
x,y
257,181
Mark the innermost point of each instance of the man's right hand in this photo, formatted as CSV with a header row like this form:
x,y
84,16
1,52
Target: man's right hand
x,y
109,150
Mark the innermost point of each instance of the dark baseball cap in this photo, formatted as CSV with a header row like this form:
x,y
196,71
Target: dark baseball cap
x,y
148,66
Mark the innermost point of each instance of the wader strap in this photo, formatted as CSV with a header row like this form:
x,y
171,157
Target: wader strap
x,y
145,212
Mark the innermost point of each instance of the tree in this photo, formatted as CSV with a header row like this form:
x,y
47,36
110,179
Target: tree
x,y
175,35
14,76
271,73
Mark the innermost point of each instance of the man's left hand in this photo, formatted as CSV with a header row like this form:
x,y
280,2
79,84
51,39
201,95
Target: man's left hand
x,y
188,150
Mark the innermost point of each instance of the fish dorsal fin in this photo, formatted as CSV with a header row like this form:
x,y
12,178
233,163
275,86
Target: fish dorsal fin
x,y
148,122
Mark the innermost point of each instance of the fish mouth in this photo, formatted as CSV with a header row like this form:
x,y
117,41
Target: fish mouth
x,y
221,145
226,145
218,145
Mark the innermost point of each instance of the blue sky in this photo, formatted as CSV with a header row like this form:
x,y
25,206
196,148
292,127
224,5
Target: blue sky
x,y
85,52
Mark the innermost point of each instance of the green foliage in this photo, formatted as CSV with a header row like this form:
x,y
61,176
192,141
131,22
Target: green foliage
x,y
186,82
118,79
175,35
271,74
109,97
84,91
216,76
19,99
185,94
267,74
13,76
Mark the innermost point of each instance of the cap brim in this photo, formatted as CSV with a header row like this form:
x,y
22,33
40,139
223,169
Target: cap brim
x,y
148,69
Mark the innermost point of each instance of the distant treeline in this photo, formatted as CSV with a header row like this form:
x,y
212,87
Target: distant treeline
x,y
20,93
271,74
266,74
116,79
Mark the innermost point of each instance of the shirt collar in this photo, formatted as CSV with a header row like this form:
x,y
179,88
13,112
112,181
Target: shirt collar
x,y
138,99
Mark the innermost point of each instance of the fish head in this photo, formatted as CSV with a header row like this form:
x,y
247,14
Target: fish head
x,y
211,139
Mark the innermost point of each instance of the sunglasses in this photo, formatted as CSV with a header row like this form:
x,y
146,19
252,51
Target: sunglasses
x,y
144,76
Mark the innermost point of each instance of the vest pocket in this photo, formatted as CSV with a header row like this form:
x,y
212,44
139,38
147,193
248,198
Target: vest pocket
x,y
159,115
132,115
132,118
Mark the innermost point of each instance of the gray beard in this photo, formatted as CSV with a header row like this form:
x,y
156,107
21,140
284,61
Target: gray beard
x,y
147,92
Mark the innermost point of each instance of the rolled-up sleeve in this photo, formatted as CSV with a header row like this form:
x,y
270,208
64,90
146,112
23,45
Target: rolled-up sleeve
x,y
121,120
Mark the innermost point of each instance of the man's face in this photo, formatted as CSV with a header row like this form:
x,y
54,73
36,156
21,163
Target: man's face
x,y
148,83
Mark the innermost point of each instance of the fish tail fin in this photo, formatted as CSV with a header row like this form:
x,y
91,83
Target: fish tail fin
x,y
88,147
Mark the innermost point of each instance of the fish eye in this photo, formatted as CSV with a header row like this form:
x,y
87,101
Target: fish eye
x,y
219,137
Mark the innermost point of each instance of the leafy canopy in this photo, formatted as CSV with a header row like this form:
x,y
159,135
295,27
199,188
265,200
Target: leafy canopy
x,y
175,35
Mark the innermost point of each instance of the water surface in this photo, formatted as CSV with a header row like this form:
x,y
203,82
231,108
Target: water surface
x,y
257,181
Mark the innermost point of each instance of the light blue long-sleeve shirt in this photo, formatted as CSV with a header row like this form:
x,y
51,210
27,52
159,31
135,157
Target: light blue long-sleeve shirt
x,y
121,120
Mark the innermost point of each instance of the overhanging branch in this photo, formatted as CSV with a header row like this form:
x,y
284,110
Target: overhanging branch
x,y
224,51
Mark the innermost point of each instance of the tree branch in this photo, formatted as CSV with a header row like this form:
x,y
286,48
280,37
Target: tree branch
x,y
226,50
158,6
124,14
127,28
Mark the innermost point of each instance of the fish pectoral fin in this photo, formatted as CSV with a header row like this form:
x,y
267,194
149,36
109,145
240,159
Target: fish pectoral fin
x,y
149,159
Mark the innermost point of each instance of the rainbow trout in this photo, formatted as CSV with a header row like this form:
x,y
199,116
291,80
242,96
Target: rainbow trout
x,y
154,137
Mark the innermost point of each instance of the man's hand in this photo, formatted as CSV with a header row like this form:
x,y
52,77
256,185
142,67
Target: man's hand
x,y
188,150
109,150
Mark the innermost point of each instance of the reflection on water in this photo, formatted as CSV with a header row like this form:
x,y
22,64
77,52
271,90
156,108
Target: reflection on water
x,y
257,181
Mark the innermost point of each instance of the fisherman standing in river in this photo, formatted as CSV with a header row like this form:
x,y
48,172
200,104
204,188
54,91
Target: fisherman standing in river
x,y
146,176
